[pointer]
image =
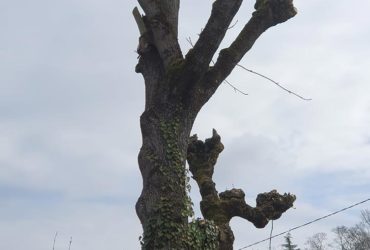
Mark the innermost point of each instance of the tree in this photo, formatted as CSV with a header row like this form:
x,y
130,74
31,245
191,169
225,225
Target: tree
x,y
356,237
288,243
317,242
176,88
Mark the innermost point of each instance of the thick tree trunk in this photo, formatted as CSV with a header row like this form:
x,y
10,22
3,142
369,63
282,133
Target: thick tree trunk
x,y
164,206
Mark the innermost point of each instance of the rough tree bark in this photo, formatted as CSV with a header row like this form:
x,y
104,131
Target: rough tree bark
x,y
176,88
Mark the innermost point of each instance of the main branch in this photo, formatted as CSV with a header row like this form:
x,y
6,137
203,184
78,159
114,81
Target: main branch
x,y
223,12
267,13
221,208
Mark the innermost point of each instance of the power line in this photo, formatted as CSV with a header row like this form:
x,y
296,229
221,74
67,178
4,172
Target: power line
x,y
307,223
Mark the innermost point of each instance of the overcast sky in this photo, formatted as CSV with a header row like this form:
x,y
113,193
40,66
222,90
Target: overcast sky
x,y
70,103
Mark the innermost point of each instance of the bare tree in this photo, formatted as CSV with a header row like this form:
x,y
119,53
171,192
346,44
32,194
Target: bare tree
x,y
365,216
341,239
356,237
317,242
176,88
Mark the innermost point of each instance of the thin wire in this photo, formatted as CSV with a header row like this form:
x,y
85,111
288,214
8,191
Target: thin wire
x,y
308,223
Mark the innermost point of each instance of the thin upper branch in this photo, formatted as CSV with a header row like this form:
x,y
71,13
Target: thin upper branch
x,y
210,38
162,21
268,13
275,82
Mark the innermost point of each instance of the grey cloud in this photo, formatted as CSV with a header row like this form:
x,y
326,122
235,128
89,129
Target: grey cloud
x,y
70,104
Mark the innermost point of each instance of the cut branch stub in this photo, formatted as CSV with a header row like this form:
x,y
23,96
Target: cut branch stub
x,y
139,21
161,20
202,157
279,11
273,204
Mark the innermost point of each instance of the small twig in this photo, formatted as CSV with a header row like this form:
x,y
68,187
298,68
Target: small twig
x,y
233,25
190,42
201,30
278,84
235,88
70,243
55,238
272,228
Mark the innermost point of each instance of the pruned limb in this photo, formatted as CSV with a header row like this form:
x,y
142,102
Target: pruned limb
x,y
223,12
202,157
267,13
161,19
139,21
221,208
